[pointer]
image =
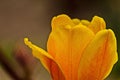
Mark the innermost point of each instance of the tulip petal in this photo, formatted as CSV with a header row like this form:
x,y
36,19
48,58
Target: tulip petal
x,y
85,22
48,62
61,21
99,57
66,45
76,21
97,24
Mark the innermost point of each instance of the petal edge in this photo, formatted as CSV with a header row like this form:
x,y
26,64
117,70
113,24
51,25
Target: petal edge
x,y
48,62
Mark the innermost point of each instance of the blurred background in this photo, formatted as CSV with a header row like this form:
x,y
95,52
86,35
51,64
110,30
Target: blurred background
x,y
32,18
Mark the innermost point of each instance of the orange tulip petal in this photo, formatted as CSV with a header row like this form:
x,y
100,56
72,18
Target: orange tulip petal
x,y
97,24
99,57
47,60
66,45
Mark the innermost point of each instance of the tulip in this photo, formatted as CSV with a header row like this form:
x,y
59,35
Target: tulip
x,y
78,49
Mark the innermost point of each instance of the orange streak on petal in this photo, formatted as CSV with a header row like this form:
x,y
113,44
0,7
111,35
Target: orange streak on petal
x,y
66,45
99,57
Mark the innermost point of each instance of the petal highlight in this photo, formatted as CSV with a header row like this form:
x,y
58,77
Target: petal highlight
x,y
99,57
48,62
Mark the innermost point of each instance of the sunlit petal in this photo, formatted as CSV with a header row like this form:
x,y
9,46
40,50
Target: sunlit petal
x,y
99,57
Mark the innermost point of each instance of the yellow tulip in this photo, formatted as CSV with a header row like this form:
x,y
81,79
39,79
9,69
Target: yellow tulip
x,y
78,49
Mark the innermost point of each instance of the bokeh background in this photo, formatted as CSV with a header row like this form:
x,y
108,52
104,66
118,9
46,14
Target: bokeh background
x,y
32,18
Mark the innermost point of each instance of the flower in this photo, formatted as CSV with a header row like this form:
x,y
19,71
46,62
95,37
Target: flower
x,y
78,49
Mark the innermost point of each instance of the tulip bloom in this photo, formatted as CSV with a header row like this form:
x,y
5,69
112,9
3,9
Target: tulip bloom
x,y
78,49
